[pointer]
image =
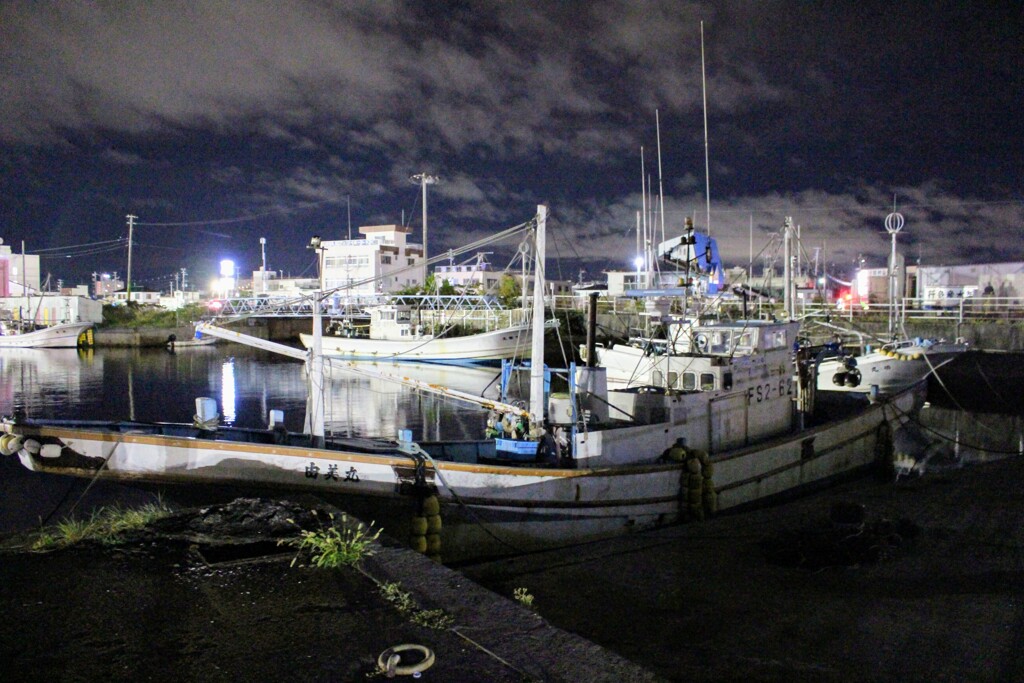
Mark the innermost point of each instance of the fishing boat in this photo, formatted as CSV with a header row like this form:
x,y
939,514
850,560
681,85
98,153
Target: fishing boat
x,y
568,468
395,334
60,335
889,368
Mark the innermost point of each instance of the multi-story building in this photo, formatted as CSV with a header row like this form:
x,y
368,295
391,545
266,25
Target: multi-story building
x,y
478,275
380,262
19,273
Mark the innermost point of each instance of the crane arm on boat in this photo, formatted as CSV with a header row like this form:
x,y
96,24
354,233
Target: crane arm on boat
x,y
248,340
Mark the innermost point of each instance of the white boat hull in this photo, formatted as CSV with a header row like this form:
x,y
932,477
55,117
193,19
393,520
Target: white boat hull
x,y
483,347
63,335
889,371
487,509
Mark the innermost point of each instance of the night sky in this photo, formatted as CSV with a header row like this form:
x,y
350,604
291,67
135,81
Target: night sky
x,y
218,123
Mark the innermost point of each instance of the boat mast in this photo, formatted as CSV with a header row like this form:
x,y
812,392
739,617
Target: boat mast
x,y
707,163
537,339
315,361
24,284
787,269
643,208
661,187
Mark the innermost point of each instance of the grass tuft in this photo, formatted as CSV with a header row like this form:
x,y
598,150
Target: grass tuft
x,y
335,545
431,618
523,597
107,525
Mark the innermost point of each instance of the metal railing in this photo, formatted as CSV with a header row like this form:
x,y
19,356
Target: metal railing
x,y
960,310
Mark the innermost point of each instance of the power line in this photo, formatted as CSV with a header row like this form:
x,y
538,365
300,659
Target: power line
x,y
240,219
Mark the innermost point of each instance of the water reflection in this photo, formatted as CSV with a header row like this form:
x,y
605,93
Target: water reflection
x,y
153,385
227,387
37,381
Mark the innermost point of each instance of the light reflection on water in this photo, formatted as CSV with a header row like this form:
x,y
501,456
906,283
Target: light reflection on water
x,y
155,385
227,386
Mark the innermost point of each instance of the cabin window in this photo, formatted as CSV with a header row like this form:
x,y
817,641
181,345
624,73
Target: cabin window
x,y
689,381
673,379
657,378
727,381
777,339
746,341
707,381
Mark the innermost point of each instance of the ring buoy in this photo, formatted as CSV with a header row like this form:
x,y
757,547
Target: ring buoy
x,y
388,662
702,341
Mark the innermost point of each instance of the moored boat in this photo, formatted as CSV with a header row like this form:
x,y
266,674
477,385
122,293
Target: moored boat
x,y
60,335
888,369
394,335
573,467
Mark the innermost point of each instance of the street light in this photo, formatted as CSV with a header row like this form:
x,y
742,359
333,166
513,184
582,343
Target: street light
x,y
263,265
639,263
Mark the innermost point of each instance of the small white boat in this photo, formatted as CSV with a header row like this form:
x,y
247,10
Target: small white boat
x,y
394,335
888,369
61,335
174,343
580,466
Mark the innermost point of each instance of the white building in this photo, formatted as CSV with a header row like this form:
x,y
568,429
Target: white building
x,y
50,309
19,273
938,284
178,298
464,276
139,296
380,262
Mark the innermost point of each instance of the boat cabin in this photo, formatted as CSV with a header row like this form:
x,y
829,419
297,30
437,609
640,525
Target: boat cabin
x,y
395,322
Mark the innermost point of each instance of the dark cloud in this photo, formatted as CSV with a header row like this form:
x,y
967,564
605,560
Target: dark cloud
x,y
296,110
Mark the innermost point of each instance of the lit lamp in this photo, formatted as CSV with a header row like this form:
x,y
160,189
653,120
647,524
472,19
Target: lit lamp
x,y
227,276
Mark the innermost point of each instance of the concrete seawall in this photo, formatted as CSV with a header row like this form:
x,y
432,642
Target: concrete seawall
x,y
275,329
982,334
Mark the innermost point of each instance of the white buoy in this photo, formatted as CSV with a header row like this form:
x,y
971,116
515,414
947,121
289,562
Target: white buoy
x,y
50,450
206,411
32,446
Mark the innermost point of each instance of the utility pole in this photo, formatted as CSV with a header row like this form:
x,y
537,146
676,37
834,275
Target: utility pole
x,y
424,179
131,230
263,267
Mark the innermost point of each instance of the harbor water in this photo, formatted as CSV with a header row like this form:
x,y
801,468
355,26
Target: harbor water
x,y
153,384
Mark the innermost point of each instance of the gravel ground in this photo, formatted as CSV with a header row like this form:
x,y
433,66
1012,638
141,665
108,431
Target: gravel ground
x,y
205,595
929,586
